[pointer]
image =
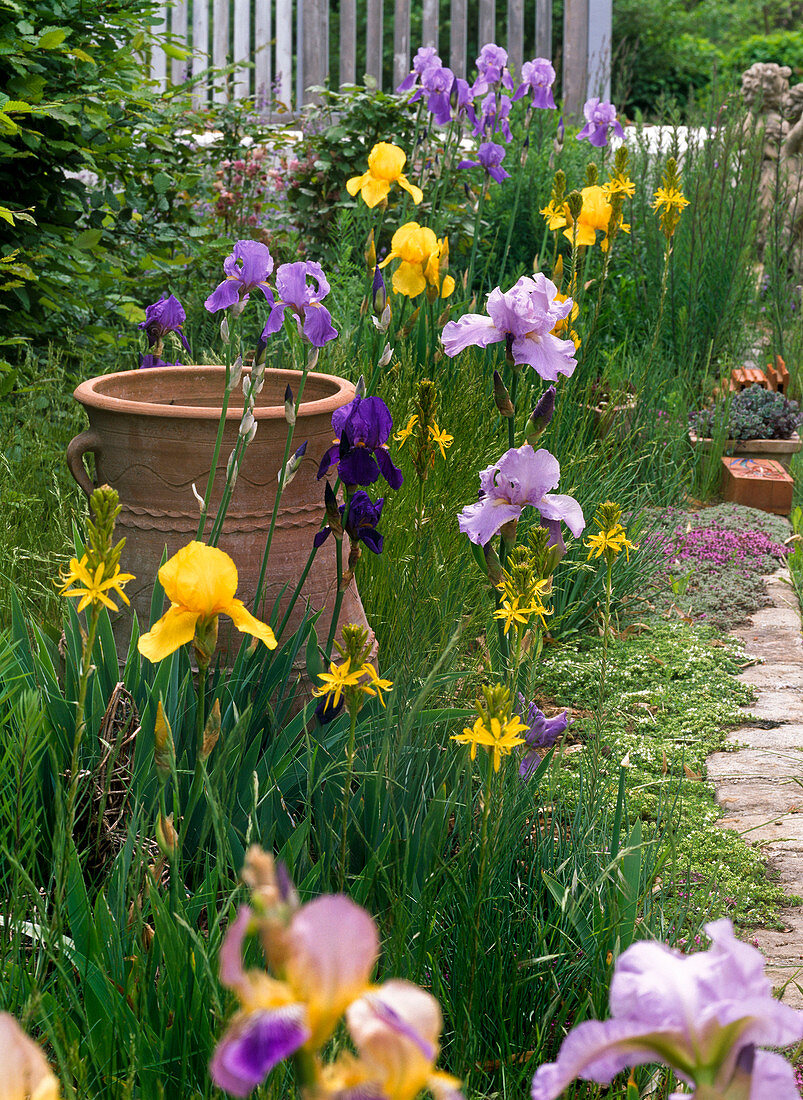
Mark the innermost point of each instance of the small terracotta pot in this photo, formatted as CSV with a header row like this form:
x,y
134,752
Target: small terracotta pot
x,y
152,433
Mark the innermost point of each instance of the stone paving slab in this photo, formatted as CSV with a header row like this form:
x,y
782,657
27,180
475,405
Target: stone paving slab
x,y
760,786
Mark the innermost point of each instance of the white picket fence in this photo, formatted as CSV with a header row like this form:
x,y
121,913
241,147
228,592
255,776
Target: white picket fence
x,y
264,39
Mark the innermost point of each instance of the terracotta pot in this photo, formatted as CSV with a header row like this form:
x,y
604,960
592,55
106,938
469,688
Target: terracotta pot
x,y
152,433
781,450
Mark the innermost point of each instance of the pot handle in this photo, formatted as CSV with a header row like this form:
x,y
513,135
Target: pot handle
x,y
85,443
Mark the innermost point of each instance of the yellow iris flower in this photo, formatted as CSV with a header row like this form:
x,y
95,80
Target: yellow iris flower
x,y
423,258
200,582
385,165
91,588
595,215
498,738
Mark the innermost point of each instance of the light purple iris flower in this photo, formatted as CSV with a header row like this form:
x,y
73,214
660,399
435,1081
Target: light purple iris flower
x,y
426,58
493,118
600,117
701,1014
523,317
247,269
520,478
436,84
542,734
328,951
295,293
166,315
537,77
462,100
491,70
489,157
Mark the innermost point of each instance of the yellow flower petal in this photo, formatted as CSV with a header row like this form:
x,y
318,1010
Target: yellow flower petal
x,y
245,622
374,191
386,161
409,279
448,287
416,192
200,578
175,628
356,183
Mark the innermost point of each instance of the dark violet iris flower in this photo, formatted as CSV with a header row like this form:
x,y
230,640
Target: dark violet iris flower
x,y
247,269
363,516
489,157
314,321
148,361
166,315
426,58
600,118
491,69
542,734
494,117
537,77
362,429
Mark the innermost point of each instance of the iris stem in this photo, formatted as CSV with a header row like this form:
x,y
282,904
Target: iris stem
x,y
80,716
517,195
347,799
341,588
486,809
477,231
210,481
288,442
511,423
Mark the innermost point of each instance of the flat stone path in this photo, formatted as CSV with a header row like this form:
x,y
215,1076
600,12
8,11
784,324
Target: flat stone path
x,y
760,787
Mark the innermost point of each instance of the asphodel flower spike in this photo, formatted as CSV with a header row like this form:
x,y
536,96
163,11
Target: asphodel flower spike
x,y
200,581
611,539
496,728
385,166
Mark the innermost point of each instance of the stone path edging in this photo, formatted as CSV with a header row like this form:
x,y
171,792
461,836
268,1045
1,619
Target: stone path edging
x,y
760,787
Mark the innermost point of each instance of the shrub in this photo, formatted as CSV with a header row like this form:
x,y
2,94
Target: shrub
x,y
754,413
782,47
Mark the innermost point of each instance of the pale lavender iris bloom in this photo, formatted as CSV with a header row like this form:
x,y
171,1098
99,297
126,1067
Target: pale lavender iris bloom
x,y
426,58
600,118
542,734
701,1014
489,157
491,70
520,478
436,85
494,117
166,315
537,77
247,269
313,320
462,100
523,317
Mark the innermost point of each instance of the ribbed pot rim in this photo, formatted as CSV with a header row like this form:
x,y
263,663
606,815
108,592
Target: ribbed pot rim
x,y
93,394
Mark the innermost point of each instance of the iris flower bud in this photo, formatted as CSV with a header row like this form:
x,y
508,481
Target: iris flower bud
x,y
541,415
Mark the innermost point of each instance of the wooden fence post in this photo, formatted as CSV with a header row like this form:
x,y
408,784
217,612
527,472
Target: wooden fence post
x,y
487,22
458,38
220,46
284,51
315,47
262,59
242,48
348,41
373,41
158,56
200,50
429,23
401,41
178,29
599,48
575,57
515,37
543,29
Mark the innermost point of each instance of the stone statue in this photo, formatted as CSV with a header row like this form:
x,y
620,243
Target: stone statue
x,y
777,111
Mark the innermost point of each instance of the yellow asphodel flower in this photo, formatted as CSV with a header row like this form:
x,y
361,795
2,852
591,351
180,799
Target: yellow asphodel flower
x,y
515,615
200,582
376,685
499,738
610,542
336,679
669,198
421,255
442,438
403,434
25,1073
555,214
385,166
91,588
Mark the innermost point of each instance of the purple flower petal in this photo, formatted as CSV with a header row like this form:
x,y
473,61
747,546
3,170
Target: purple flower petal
x,y
254,1045
358,467
390,472
226,294
318,327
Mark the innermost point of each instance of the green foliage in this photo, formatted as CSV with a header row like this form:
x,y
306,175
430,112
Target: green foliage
x,y
753,413
783,47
